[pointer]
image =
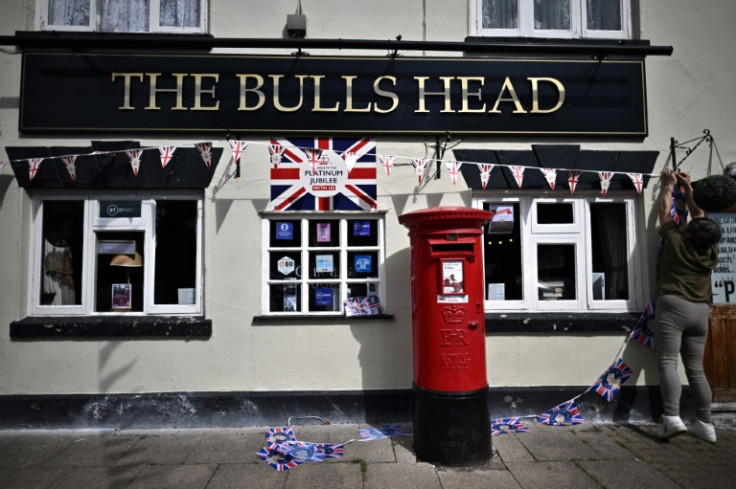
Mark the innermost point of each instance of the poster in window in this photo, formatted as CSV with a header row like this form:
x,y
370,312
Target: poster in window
x,y
289,298
121,296
323,232
502,220
363,263
452,277
285,231
323,296
325,264
361,228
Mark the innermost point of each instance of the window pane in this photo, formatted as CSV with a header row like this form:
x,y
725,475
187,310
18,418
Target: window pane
x,y
179,13
604,15
69,12
285,298
119,278
556,271
176,252
608,242
555,213
285,265
325,297
500,14
503,270
285,233
324,233
362,232
124,15
552,15
61,277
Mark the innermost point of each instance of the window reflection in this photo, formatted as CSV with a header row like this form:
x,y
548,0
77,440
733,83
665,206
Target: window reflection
x,y
556,271
61,277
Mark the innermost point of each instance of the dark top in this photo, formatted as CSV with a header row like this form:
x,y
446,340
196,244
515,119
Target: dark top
x,y
684,269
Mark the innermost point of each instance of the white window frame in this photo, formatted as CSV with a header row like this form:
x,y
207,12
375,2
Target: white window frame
x,y
94,224
577,234
42,7
305,249
578,19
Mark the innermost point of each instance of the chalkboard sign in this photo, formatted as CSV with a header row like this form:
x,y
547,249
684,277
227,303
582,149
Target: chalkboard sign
x,y
724,276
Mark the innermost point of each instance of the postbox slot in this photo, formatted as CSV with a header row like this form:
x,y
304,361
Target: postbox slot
x,y
460,248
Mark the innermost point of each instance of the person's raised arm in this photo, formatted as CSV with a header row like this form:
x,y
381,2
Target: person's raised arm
x,y
665,198
684,179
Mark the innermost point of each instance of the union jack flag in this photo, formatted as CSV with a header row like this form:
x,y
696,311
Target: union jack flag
x,y
678,208
387,162
281,463
238,147
518,172
485,172
453,167
572,179
550,174
609,384
642,332
325,184
205,150
331,450
387,431
605,181
420,166
566,414
637,180
33,166
166,152
135,160
507,425
300,450
71,167
277,436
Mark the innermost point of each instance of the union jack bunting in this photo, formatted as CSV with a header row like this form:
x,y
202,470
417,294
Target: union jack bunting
x,y
420,166
609,384
280,463
605,181
237,147
387,162
312,174
299,450
276,152
330,450
166,153
135,160
507,425
518,172
205,150
387,431
678,208
572,179
566,414
485,172
350,158
550,174
71,167
637,180
642,332
33,166
277,436
453,168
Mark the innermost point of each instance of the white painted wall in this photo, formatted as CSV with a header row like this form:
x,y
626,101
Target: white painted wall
x,y
689,91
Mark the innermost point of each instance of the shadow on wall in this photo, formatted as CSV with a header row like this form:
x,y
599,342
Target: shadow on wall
x,y
5,181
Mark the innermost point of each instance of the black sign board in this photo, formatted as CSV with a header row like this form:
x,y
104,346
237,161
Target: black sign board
x,y
213,93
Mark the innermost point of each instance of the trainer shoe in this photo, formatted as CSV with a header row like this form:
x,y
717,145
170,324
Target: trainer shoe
x,y
704,431
671,426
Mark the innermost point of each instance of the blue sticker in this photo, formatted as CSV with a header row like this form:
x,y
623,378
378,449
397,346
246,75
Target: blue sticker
x,y
285,230
361,228
363,263
323,297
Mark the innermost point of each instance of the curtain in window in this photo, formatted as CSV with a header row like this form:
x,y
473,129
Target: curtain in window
x,y
500,14
69,12
124,15
612,237
179,13
604,15
552,15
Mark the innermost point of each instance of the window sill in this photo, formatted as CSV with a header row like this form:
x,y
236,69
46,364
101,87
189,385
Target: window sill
x,y
303,318
560,322
111,326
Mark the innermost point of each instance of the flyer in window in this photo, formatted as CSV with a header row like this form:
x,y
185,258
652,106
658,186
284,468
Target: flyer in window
x,y
285,231
325,264
290,298
361,228
323,232
121,296
452,277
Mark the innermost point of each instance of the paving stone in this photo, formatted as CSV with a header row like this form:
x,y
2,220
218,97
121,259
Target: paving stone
x,y
29,478
33,449
173,476
320,475
551,475
477,479
169,448
401,476
242,476
96,478
625,474
228,447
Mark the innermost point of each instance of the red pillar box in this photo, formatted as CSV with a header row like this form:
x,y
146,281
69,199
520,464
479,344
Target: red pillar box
x,y
451,419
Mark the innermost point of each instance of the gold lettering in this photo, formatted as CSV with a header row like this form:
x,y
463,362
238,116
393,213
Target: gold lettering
x,y
349,95
198,91
259,93
383,93
423,93
317,97
507,85
535,94
464,82
179,90
277,97
126,87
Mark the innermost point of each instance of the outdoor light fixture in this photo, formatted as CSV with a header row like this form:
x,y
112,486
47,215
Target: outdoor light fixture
x,y
296,23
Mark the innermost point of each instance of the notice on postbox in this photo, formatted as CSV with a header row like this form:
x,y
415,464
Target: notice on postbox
x,y
453,282
723,278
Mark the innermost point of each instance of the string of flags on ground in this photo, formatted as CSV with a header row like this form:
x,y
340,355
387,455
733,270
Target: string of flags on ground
x,y
282,450
388,162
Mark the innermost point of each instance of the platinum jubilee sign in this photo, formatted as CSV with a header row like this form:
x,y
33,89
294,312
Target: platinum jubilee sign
x,y
212,93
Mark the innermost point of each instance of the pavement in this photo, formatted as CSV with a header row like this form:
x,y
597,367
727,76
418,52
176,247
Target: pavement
x,y
582,456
